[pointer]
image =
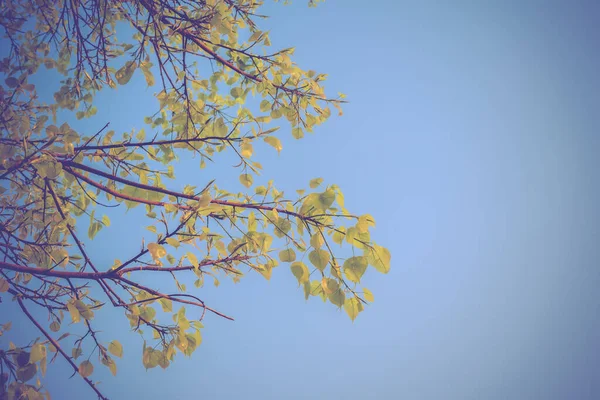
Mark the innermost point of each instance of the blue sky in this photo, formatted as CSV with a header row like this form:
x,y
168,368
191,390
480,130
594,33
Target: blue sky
x,y
472,137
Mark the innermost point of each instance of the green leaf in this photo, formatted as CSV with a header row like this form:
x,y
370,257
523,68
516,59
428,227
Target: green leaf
x,y
105,220
300,271
287,255
86,368
246,180
319,258
115,348
124,74
355,267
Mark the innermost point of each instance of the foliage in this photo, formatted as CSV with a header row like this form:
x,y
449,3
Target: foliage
x,y
54,178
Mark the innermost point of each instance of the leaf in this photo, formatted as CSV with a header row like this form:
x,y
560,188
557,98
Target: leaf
x,y
236,92
287,255
204,200
38,351
110,363
76,352
355,267
167,304
364,222
329,285
368,295
337,297
317,240
83,309
145,67
156,251
379,257
86,368
275,142
326,199
55,326
353,307
297,133
265,105
357,238
252,225
246,180
193,259
93,229
124,74
3,285
282,227
339,235
22,358
49,169
315,182
115,348
75,316
319,258
26,372
11,82
105,220
246,149
173,242
300,271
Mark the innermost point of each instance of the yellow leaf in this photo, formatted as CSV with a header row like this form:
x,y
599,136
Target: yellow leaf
x,y
156,250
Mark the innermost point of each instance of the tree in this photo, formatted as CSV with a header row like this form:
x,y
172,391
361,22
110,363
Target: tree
x,y
54,178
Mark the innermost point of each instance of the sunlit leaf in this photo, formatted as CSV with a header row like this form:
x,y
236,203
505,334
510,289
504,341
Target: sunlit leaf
x,y
115,348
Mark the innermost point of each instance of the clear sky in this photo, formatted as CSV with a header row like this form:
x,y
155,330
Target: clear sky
x,y
472,137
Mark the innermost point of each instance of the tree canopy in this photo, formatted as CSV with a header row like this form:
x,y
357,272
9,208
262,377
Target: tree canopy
x,y
220,88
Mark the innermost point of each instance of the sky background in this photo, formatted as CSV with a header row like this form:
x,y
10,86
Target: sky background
x,y
472,137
